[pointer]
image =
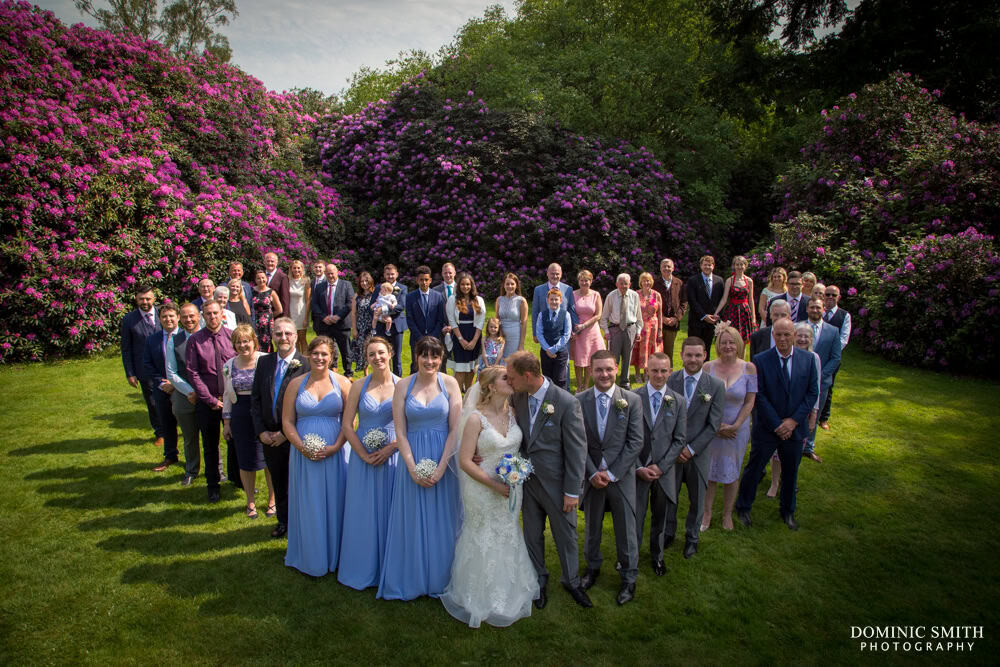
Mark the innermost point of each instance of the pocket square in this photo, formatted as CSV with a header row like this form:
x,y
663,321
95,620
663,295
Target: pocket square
x,y
621,416
548,422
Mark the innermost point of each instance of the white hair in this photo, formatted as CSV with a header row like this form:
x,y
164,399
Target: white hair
x,y
623,276
805,326
778,302
222,290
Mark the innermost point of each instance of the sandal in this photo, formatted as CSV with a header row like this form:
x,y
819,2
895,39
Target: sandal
x,y
251,512
270,511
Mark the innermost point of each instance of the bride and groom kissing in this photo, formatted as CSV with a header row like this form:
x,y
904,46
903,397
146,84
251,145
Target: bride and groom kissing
x,y
521,411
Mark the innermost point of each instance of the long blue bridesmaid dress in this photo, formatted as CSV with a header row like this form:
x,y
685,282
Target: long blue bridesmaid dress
x,y
423,523
316,488
369,496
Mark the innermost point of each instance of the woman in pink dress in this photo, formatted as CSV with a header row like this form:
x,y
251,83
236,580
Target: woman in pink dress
x,y
651,340
586,337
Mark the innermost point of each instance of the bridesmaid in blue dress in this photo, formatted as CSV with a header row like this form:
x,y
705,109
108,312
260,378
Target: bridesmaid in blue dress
x,y
424,519
313,404
370,476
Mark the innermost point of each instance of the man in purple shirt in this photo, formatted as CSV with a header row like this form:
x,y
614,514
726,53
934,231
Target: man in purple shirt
x,y
206,352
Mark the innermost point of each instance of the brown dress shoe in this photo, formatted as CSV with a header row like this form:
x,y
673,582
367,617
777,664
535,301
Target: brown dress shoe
x,y
825,426
166,463
158,442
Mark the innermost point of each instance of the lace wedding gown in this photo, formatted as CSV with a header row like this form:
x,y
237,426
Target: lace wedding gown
x,y
492,579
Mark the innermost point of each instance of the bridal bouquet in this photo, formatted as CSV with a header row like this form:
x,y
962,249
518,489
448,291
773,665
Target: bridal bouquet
x,y
375,439
313,444
425,468
512,471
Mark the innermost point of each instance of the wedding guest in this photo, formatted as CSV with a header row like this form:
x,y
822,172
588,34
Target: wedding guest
x,y
651,339
727,449
363,313
762,340
136,327
664,436
266,306
313,406
205,354
808,283
221,296
705,397
586,338
238,302
493,344
384,303
154,361
818,292
841,319
621,324
276,280
671,290
826,346
394,332
371,472
796,299
274,372
512,309
426,308
554,328
183,397
424,517
736,306
787,391
775,287
704,291
446,288
318,273
299,301
466,313
539,300
236,273
237,418
613,420
206,292
332,306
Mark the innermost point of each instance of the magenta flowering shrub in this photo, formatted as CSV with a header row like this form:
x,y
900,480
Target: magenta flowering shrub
x,y
898,203
121,163
435,180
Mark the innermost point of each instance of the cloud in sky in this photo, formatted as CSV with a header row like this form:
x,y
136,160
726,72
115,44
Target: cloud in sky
x,y
320,43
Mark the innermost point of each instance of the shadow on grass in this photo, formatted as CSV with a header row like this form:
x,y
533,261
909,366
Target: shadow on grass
x,y
126,420
73,446
150,520
180,543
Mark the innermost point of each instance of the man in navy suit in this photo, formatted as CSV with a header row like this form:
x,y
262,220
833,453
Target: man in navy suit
x,y
704,293
797,300
331,312
539,299
446,288
269,382
206,292
136,327
826,343
394,334
154,361
426,312
787,391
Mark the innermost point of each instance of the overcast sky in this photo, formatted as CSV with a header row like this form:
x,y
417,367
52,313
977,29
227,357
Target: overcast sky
x,y
320,43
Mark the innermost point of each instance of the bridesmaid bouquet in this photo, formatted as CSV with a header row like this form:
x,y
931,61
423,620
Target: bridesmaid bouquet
x,y
512,471
425,468
375,439
313,444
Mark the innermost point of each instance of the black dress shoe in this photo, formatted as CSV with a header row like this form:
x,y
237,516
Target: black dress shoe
x,y
790,522
659,569
744,517
279,531
626,594
667,541
542,599
213,496
588,579
690,549
579,596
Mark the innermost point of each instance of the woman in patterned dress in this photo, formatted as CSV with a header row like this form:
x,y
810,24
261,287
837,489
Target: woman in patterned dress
x,y
265,307
363,302
737,299
651,341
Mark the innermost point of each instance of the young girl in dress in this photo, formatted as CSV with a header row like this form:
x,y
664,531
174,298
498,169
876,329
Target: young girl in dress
x,y
493,345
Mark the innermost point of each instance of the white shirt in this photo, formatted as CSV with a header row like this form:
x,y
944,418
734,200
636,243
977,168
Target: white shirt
x,y
845,328
602,423
617,313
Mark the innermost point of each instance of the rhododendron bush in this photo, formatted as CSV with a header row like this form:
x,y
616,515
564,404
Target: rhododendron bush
x,y
898,203
435,180
119,163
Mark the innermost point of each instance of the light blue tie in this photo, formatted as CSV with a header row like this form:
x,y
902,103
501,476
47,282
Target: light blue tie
x,y
708,286
533,405
656,403
689,384
602,407
278,377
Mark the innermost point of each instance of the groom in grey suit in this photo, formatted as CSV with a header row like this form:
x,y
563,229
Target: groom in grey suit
x,y
613,417
554,440
706,398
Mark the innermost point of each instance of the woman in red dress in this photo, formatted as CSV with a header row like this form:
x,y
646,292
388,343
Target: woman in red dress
x,y
737,299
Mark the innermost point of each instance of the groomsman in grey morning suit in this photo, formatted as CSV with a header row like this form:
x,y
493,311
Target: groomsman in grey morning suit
x,y
705,396
664,435
613,417
554,439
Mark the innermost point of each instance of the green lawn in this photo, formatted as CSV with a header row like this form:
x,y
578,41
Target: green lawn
x,y
105,561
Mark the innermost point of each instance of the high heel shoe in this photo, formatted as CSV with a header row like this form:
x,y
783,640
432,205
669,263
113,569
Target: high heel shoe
x,y
251,512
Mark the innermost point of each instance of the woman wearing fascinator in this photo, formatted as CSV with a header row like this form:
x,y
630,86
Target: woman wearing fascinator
x,y
492,578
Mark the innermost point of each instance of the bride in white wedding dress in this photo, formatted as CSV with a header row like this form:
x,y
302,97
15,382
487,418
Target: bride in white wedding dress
x,y
492,579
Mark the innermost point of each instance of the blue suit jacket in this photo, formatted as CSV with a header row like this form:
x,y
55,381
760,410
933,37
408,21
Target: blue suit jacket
x,y
539,302
419,325
153,361
134,332
828,349
778,399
